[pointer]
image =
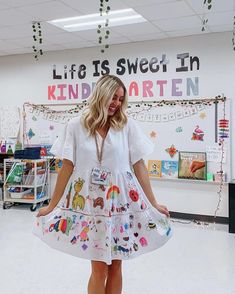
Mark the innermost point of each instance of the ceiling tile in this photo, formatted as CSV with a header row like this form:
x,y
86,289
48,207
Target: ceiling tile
x,y
217,6
24,42
48,29
220,18
53,47
62,38
148,37
17,31
78,44
4,6
165,10
220,6
168,18
92,35
116,38
85,7
49,10
135,3
13,17
18,3
186,32
136,29
119,40
180,23
197,6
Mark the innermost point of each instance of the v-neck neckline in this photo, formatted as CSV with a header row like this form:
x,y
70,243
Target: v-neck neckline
x,y
106,135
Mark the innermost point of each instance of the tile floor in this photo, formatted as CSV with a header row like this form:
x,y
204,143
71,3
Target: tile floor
x,y
199,259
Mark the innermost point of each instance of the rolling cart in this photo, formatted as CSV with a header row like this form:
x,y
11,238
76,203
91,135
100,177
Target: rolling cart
x,y
30,185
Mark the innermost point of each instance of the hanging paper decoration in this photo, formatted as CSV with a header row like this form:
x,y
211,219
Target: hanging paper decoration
x,y
142,113
30,134
202,115
47,113
153,134
179,130
171,151
198,134
223,128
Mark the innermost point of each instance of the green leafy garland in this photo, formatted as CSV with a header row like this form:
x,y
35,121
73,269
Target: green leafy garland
x,y
37,38
208,5
102,30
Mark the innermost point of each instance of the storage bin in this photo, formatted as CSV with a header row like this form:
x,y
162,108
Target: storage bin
x,y
18,195
29,179
28,153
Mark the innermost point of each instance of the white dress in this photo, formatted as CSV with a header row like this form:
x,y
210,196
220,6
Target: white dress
x,y
99,222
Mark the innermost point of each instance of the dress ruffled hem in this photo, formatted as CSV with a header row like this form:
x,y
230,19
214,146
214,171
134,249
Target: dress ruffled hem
x,y
102,238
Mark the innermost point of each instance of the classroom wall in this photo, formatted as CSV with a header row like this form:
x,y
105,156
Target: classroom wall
x,y
163,72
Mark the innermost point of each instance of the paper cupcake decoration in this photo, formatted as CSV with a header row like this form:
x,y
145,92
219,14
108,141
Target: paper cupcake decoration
x,y
198,134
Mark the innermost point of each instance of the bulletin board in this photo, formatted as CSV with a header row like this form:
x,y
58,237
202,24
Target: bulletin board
x,y
173,126
196,126
42,124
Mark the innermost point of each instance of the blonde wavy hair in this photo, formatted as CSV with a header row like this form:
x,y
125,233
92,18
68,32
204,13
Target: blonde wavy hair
x,y
96,115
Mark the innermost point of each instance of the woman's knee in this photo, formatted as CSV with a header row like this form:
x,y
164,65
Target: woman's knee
x,y
115,267
99,270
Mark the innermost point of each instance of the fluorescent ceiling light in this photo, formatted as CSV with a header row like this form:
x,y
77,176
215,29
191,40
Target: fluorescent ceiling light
x,y
91,21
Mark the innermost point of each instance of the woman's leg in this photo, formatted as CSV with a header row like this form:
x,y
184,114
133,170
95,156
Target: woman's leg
x,y
114,280
99,273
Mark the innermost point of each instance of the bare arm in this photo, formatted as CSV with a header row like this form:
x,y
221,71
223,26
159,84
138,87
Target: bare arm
x,y
141,173
62,180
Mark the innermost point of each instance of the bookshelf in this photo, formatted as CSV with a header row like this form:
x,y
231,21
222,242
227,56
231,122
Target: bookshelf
x,y
189,181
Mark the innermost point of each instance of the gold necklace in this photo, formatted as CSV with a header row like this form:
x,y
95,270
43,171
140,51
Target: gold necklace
x,y
99,153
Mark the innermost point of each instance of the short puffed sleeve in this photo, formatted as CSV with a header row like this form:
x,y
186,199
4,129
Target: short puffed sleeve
x,y
139,144
64,146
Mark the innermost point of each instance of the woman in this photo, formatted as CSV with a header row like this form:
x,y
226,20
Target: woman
x,y
110,212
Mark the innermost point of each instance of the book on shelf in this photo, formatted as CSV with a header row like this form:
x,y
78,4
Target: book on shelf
x,y
169,169
154,168
29,178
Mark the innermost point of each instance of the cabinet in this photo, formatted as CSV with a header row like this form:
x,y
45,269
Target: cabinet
x,y
231,203
26,181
